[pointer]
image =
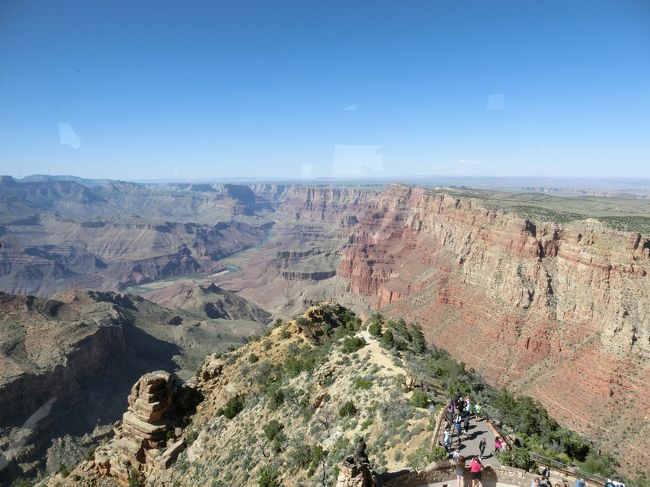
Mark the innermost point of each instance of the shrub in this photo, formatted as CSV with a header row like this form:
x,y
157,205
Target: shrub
x,y
284,334
63,470
21,483
135,479
233,407
360,383
276,398
366,424
518,458
269,477
272,428
190,437
603,465
418,343
375,328
423,456
301,456
353,344
419,399
317,456
348,409
252,358
387,339
302,322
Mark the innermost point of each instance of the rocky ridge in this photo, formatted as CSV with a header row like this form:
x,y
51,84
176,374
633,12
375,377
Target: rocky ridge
x,y
67,365
250,414
288,408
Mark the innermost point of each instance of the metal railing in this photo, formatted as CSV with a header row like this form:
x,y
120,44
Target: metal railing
x,y
568,469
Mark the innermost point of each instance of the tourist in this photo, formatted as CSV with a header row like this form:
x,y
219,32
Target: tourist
x,y
580,483
475,468
458,427
460,469
498,444
446,442
467,424
534,482
456,454
360,452
481,448
477,411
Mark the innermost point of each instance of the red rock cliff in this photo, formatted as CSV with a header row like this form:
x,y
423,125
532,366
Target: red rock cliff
x,y
561,312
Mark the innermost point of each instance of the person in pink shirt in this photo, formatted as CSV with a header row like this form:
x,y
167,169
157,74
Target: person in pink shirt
x,y
498,444
475,469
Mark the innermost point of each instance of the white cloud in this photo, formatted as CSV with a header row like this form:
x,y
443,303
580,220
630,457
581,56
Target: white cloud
x,y
496,101
67,136
467,162
351,108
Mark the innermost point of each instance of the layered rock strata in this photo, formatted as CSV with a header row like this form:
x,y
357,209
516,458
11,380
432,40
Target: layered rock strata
x,y
564,310
145,431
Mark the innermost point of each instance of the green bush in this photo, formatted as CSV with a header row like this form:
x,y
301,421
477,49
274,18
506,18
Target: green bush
x,y
375,328
276,398
63,470
252,358
418,343
272,429
387,339
419,399
423,456
353,344
135,479
301,456
302,322
269,477
190,437
348,409
517,457
317,456
362,383
233,407
603,465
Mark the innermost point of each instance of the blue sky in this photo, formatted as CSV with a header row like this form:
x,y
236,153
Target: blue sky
x,y
164,90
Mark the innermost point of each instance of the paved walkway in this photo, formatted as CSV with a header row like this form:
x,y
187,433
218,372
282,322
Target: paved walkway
x,y
470,441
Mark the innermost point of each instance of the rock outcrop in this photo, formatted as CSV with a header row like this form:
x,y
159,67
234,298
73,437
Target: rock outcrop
x,y
353,474
146,429
208,301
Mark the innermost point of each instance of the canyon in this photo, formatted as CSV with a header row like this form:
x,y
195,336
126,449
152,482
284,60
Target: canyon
x,y
546,296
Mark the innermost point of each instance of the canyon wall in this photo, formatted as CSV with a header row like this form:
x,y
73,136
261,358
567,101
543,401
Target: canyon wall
x,y
561,312
325,204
